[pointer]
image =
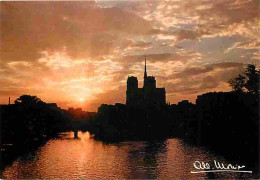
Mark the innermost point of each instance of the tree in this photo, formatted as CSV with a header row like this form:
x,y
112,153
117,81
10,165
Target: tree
x,y
249,82
27,99
252,83
238,83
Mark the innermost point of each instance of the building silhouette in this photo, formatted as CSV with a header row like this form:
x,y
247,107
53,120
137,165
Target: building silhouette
x,y
149,95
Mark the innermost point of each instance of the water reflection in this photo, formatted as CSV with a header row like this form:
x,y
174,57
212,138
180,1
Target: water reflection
x,y
86,158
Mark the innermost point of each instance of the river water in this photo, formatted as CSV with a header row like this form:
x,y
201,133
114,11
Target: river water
x,y
86,158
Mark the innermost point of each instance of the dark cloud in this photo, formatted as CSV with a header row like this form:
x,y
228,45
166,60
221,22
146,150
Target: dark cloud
x,y
180,34
184,86
224,65
152,58
28,28
141,44
209,82
193,71
186,34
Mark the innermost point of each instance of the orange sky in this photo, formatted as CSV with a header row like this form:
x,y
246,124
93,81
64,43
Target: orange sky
x,y
79,54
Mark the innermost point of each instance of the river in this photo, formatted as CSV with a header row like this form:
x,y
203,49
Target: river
x,y
86,158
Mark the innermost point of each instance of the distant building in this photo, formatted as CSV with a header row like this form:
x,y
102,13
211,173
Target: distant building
x,y
149,95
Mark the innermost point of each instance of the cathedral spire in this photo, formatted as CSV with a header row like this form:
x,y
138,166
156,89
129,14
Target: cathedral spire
x,y
145,73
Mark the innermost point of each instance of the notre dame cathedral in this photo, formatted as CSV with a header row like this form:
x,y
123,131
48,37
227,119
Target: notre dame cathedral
x,y
149,95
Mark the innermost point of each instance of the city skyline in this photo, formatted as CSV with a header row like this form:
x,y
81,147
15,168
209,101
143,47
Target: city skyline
x,y
79,54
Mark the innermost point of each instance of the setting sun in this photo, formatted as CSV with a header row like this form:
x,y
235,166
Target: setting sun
x,y
81,99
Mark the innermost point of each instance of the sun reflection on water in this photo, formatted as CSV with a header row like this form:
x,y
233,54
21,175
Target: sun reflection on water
x,y
86,158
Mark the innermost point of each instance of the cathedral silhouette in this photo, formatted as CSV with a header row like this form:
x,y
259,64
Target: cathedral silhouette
x,y
147,96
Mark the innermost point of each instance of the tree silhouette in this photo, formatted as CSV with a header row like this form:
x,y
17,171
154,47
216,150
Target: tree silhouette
x,y
249,82
30,119
252,84
27,99
238,83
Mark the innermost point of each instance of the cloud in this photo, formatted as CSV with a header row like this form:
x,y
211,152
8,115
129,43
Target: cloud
x,y
193,71
209,82
205,18
80,27
199,70
249,44
192,81
67,51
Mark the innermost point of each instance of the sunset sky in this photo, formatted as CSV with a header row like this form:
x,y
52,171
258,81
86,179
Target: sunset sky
x,y
79,54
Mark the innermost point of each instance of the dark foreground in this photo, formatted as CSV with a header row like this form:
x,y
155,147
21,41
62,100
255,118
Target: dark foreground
x,y
225,122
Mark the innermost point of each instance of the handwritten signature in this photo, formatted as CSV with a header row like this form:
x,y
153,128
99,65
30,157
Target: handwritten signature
x,y
217,167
